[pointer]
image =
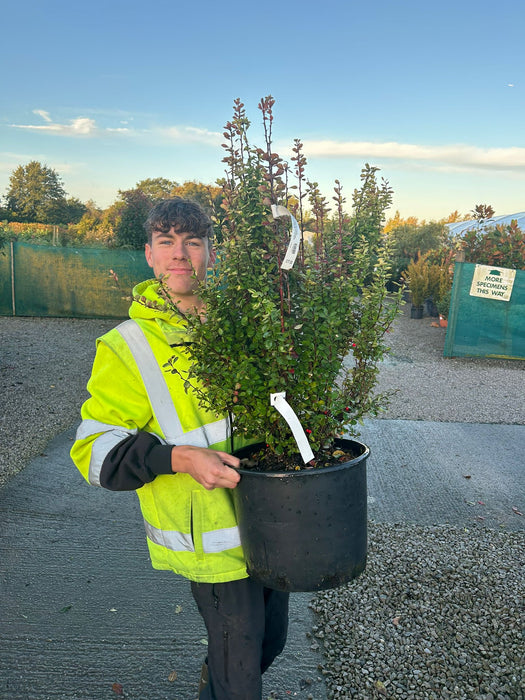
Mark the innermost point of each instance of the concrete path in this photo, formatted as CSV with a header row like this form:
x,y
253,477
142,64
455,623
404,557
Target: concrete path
x,y
85,617
464,474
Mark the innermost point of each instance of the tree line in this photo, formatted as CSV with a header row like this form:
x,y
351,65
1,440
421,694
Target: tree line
x,y
36,195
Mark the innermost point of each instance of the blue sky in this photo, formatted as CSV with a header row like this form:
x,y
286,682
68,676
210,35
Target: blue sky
x,y
109,93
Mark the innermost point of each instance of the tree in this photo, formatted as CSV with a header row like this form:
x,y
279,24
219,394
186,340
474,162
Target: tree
x,y
396,221
208,196
129,228
89,227
410,241
156,188
36,194
75,210
4,237
453,217
482,213
61,211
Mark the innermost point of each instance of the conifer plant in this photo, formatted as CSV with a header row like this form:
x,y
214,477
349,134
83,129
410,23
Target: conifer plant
x,y
314,330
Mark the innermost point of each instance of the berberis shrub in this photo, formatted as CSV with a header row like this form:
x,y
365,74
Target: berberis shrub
x,y
316,330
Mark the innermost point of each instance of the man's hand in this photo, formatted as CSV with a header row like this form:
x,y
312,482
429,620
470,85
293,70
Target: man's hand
x,y
211,468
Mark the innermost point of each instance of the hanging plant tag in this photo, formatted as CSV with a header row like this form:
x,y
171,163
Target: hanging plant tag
x,y
279,402
279,211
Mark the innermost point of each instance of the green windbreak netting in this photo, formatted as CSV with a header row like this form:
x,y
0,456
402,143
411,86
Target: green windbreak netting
x,y
37,280
487,313
6,307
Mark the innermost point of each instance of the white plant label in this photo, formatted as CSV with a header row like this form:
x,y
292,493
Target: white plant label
x,y
279,211
279,402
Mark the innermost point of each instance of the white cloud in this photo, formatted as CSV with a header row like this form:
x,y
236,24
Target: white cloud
x,y
87,127
455,156
41,113
81,126
192,134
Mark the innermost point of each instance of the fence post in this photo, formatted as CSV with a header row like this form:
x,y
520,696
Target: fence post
x,y
13,302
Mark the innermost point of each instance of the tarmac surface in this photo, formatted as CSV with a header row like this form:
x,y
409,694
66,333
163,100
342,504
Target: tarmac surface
x,y
85,617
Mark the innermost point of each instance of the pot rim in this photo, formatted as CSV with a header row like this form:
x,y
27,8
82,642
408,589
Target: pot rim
x,y
313,471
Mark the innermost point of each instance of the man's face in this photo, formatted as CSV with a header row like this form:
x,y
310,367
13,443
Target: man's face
x,y
183,258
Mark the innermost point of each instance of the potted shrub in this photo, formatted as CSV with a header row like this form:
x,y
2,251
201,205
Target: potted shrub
x,y
297,325
443,297
442,275
417,278
434,282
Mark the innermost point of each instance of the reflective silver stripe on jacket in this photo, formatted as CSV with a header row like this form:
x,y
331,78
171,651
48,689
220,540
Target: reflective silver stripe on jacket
x,y
90,427
110,437
154,382
219,540
160,397
212,542
171,539
166,414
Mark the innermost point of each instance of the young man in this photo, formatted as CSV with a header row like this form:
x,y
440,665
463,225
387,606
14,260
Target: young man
x,y
142,431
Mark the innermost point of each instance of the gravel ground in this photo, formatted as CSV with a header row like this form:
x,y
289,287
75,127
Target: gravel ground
x,y
438,613
45,364
435,388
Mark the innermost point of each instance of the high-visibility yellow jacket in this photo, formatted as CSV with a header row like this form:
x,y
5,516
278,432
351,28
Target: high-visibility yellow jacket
x,y
138,408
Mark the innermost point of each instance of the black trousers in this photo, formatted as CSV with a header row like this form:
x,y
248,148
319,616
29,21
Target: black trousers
x,y
247,626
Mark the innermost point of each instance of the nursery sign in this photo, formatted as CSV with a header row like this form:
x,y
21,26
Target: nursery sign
x,y
492,282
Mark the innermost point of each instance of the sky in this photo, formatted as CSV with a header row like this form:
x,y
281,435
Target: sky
x,y
108,93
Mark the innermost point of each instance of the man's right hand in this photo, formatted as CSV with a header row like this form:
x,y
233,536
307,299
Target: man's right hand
x,y
210,468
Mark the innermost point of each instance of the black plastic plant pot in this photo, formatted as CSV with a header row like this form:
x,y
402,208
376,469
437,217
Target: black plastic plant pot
x,y
305,530
416,311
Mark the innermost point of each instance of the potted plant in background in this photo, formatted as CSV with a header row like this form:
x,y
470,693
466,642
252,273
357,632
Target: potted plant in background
x,y
434,282
441,275
416,277
443,307
443,295
289,351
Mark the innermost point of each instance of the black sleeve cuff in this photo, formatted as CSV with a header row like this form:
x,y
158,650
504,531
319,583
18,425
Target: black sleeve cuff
x,y
135,461
158,459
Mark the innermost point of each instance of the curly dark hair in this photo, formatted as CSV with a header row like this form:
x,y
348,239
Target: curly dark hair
x,y
183,215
